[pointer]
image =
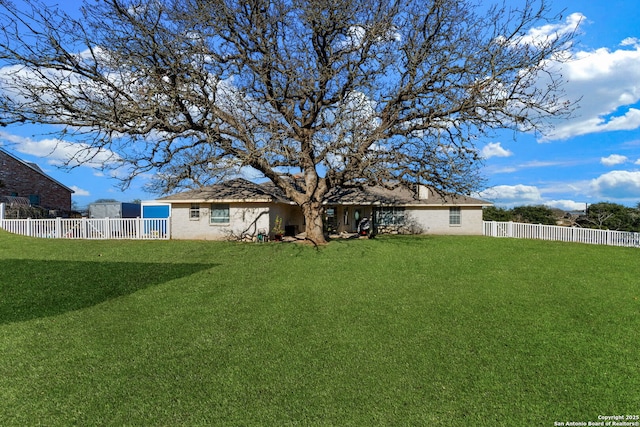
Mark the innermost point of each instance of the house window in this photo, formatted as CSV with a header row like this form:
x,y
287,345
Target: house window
x,y
194,211
219,213
455,216
390,216
34,199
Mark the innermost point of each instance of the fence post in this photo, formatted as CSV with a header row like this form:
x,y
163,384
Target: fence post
x,y
510,229
2,215
58,234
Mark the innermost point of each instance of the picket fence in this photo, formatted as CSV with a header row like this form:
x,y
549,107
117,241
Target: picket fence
x,y
564,234
90,228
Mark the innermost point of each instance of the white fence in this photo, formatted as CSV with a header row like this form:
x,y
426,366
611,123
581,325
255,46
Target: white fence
x,y
563,234
94,228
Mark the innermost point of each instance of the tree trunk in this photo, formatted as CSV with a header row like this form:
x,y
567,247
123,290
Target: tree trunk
x,y
313,218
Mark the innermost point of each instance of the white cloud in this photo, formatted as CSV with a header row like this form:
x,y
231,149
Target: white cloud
x,y
541,35
580,189
495,149
614,159
566,205
630,41
629,121
547,163
521,195
356,35
617,184
59,152
606,84
512,195
493,170
77,191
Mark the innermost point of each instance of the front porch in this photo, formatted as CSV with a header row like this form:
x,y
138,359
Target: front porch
x,y
345,219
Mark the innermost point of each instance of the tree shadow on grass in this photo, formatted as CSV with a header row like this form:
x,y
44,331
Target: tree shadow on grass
x,y
31,289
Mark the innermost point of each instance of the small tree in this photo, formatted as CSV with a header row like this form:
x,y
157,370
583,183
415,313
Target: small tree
x,y
611,216
534,215
346,93
492,213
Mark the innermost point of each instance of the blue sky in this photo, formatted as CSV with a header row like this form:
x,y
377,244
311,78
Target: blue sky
x,y
592,157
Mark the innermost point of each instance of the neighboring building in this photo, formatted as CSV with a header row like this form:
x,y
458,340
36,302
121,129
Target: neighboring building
x,y
26,180
114,210
239,208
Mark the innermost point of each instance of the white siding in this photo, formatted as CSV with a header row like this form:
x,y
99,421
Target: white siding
x,y
244,218
435,220
251,218
291,216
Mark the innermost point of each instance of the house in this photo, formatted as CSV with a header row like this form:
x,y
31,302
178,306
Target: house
x,y
229,210
26,180
240,208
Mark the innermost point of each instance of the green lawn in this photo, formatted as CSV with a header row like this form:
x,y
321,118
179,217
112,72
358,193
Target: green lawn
x,y
459,331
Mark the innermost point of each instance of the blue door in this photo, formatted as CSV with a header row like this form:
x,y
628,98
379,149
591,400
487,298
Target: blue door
x,y
151,212
155,211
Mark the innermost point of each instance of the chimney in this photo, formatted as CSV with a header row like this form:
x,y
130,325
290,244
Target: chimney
x,y
423,192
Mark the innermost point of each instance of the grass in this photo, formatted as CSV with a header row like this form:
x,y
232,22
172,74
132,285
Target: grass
x,y
391,331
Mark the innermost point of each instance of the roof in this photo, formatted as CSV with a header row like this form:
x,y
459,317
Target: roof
x,y
399,196
15,201
242,190
36,169
235,190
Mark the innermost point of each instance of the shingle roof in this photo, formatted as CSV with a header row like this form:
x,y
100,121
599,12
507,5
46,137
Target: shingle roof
x,y
242,190
399,196
15,201
236,190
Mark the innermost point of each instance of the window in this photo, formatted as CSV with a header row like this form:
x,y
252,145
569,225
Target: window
x,y
455,216
34,199
219,214
390,216
194,212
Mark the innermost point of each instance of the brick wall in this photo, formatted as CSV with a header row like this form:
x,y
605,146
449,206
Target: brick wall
x,y
19,179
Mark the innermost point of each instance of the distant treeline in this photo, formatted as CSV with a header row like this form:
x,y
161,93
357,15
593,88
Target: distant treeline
x,y
603,215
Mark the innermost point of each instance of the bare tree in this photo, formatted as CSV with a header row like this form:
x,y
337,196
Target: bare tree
x,y
345,93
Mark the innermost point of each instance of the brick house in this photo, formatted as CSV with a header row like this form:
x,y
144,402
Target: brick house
x,y
23,179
